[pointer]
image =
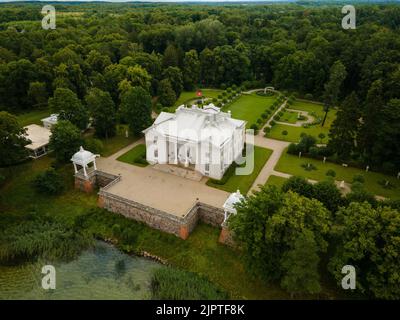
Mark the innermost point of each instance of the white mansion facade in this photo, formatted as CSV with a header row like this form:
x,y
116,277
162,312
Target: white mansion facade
x,y
204,139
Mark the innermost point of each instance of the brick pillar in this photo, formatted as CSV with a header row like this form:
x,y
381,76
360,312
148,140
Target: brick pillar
x,y
184,232
100,202
225,236
88,186
77,183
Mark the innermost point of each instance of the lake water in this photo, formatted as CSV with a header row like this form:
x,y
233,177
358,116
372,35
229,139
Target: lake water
x,y
100,273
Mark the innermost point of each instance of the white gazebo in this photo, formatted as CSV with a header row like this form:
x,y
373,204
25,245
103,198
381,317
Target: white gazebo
x,y
83,158
39,138
50,121
229,205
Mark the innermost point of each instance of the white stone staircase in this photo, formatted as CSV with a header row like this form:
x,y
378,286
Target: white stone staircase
x,y
179,171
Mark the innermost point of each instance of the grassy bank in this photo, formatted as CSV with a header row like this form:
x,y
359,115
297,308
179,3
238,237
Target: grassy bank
x,y
135,156
373,180
249,107
174,284
242,182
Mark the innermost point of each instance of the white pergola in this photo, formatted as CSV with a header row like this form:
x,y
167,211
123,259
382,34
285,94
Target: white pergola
x,y
83,158
229,205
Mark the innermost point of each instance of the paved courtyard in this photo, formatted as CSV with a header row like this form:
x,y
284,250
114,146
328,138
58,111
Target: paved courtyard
x,y
157,189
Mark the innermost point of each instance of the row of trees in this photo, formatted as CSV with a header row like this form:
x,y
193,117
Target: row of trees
x,y
168,49
290,237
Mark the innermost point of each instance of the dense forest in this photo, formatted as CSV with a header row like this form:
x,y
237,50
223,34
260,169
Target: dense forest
x,y
168,48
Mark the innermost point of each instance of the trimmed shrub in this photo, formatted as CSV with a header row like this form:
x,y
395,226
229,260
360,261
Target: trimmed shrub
x,y
49,182
358,178
293,149
331,173
299,185
309,96
255,128
284,133
93,145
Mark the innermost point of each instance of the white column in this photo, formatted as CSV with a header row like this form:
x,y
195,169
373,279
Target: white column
x,y
94,164
75,168
186,156
84,171
176,151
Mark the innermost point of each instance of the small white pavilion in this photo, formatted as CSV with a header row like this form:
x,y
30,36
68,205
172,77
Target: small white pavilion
x,y
39,138
50,121
83,158
229,205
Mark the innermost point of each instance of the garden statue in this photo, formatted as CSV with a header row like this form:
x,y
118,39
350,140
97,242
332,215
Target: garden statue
x,y
342,184
299,154
324,160
126,133
366,169
398,175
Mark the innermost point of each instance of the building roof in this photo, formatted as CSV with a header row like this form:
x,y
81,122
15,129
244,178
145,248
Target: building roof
x,y
197,124
53,118
83,157
38,135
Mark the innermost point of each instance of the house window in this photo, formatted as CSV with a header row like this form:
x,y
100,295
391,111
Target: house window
x,y
155,153
155,139
207,168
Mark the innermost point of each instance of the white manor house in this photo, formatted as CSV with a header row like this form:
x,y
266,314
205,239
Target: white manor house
x,y
204,139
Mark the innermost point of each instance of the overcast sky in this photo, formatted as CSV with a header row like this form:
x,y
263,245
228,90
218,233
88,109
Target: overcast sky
x,y
152,0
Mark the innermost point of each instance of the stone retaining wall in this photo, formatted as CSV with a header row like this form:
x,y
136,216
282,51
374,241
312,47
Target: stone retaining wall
x,y
154,218
134,210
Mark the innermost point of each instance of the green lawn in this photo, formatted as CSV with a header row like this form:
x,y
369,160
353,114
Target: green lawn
x,y
290,117
200,253
244,182
18,196
116,143
33,117
292,164
276,181
135,156
187,96
249,107
295,132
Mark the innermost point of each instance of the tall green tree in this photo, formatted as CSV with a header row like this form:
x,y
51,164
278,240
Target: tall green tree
x,y
65,140
171,56
12,140
369,240
371,118
174,75
386,148
345,127
136,109
67,104
38,94
166,95
301,266
191,69
267,225
337,75
207,63
102,111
